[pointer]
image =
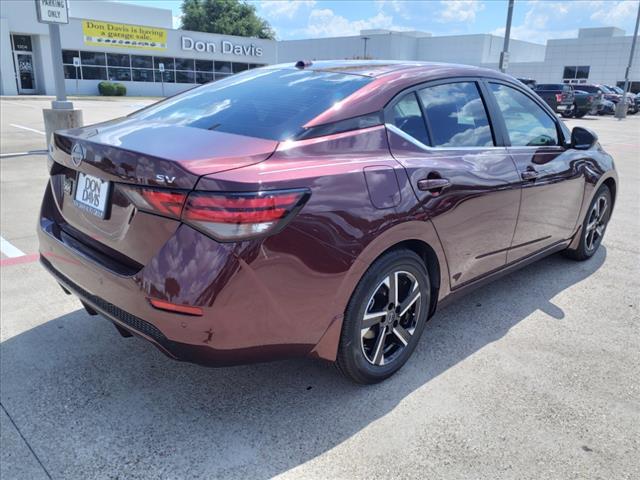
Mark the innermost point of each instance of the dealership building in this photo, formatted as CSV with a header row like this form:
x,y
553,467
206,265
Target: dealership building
x,y
137,46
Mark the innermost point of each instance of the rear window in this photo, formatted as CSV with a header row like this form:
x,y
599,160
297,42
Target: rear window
x,y
265,103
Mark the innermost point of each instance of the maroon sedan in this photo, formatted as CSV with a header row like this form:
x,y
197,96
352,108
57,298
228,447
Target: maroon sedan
x,y
321,209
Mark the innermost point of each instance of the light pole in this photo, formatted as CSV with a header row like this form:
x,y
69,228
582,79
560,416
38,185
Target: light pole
x,y
504,55
621,110
366,39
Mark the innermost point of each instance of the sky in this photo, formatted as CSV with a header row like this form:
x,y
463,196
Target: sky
x,y
533,20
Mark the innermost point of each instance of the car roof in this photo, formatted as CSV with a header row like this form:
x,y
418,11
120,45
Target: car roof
x,y
378,68
388,78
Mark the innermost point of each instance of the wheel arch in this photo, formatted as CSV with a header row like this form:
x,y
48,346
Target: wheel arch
x,y
417,236
613,188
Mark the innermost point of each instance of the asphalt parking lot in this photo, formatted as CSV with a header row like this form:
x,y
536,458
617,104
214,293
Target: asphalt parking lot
x,y
535,376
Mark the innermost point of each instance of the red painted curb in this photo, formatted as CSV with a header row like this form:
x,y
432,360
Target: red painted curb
x,y
18,260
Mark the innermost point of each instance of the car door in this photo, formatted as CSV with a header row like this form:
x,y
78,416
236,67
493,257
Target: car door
x,y
463,179
550,174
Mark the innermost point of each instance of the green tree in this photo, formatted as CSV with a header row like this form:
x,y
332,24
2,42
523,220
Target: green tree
x,y
228,17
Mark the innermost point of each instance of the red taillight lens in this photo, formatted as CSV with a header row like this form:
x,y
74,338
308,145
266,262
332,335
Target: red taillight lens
x,y
174,307
163,202
558,97
239,216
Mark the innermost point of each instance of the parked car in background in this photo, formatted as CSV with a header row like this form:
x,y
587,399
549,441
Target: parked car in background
x,y
597,91
559,96
583,103
323,209
607,94
633,105
606,107
529,82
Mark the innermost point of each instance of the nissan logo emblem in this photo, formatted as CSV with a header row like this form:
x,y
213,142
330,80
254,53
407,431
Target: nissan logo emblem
x,y
78,154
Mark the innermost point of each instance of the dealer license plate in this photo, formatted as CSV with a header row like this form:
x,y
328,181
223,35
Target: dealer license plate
x,y
92,194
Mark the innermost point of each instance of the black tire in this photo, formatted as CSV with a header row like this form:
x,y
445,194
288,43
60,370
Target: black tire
x,y
591,236
580,114
361,354
569,112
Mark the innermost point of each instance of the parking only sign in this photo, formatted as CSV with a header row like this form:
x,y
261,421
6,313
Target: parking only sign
x,y
52,11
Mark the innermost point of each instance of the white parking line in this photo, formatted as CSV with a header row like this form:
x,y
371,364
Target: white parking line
x,y
20,154
9,250
27,128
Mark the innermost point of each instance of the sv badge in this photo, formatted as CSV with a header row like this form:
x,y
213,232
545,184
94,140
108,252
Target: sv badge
x,y
164,178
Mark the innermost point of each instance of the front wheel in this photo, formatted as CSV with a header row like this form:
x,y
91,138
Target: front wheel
x,y
593,226
385,317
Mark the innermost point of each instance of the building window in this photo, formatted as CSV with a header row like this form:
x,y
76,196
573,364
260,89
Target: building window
x,y
167,76
204,77
634,87
93,58
118,60
94,73
122,67
141,61
119,74
142,75
222,67
69,55
240,67
576,73
166,61
21,43
70,72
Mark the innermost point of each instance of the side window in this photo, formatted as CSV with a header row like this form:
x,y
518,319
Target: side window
x,y
527,123
407,116
456,115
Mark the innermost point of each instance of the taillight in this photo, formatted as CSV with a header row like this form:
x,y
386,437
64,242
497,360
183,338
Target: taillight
x,y
558,97
240,216
225,216
162,202
590,98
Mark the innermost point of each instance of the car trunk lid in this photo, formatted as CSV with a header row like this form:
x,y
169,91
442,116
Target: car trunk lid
x,y
122,155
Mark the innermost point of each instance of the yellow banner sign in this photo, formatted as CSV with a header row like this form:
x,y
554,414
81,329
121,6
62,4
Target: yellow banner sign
x,y
120,35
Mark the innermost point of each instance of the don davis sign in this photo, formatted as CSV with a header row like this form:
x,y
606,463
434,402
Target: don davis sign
x,y
52,11
224,47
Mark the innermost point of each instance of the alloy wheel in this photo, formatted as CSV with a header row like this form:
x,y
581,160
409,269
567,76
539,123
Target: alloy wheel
x,y
391,317
597,222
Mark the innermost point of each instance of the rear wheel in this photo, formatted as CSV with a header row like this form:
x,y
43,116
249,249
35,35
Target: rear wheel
x,y
385,317
580,114
594,225
568,113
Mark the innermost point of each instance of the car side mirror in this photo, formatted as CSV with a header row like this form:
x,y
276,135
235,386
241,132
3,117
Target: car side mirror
x,y
583,138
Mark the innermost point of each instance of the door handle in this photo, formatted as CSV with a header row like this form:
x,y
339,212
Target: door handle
x,y
431,184
529,174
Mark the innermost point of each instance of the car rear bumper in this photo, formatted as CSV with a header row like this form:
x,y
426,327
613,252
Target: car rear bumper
x,y
239,322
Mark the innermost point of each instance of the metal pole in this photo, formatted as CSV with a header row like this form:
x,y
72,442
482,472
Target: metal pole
x,y
366,39
60,103
507,34
622,111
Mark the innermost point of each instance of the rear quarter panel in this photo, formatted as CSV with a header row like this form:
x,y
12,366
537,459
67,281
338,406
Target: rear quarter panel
x,y
309,270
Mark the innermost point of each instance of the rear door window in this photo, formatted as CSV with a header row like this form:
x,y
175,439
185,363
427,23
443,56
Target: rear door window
x,y
527,123
266,103
456,115
407,116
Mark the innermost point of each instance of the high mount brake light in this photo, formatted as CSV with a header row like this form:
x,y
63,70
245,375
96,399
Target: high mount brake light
x,y
225,216
240,216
